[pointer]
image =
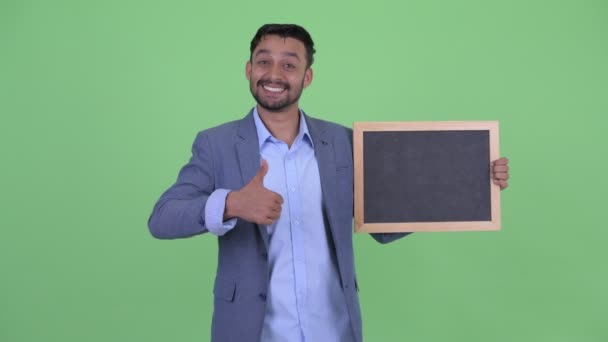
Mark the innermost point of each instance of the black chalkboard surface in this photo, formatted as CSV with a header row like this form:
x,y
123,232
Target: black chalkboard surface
x,y
425,176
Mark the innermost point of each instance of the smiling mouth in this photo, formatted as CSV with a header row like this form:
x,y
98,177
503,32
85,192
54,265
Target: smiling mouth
x,y
273,89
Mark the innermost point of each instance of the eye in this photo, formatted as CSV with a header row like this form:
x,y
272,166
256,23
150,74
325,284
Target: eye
x,y
289,66
262,62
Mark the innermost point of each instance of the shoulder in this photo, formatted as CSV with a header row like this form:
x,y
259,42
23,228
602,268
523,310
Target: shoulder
x,y
228,131
329,129
324,125
223,130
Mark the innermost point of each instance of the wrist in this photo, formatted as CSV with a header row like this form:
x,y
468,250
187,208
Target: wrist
x,y
229,207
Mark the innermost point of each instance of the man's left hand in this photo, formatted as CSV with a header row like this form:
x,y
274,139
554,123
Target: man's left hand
x,y
500,172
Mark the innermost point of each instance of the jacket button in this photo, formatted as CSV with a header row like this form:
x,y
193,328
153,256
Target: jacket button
x,y
263,296
264,255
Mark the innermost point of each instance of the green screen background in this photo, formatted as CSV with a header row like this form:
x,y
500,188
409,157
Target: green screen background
x,y
100,102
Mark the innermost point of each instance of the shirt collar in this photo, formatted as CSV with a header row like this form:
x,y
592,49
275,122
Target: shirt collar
x,y
264,134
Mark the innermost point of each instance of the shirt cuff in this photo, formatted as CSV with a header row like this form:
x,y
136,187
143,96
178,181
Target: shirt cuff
x,y
214,213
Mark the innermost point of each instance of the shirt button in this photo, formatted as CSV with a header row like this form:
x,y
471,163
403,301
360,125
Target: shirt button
x,y
296,222
293,189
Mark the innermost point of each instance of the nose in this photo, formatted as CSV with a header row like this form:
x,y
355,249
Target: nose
x,y
276,73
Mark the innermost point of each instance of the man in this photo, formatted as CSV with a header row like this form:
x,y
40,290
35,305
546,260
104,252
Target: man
x,y
277,189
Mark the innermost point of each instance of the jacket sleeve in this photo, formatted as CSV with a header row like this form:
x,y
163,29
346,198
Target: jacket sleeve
x,y
180,211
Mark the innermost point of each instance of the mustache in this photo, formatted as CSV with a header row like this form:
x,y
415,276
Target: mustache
x,y
273,83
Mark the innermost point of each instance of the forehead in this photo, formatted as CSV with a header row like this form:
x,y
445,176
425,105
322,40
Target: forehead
x,y
274,44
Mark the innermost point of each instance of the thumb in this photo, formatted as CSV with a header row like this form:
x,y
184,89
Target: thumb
x,y
259,177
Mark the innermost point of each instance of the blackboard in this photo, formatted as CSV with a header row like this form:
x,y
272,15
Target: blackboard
x,y
425,176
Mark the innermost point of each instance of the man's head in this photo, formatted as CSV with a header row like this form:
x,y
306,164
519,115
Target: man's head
x,y
279,66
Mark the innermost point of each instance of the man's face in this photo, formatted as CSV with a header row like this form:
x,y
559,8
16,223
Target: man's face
x,y
277,73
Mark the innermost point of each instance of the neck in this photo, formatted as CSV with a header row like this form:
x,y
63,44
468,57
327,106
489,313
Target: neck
x,y
283,125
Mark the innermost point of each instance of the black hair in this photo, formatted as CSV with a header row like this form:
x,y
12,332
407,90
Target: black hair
x,y
286,31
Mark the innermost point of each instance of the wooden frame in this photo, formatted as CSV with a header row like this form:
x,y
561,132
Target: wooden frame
x,y
360,223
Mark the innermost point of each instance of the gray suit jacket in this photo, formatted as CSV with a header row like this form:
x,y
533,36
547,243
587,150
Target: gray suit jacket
x,y
228,157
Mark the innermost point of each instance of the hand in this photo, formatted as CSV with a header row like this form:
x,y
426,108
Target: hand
x,y
254,203
500,172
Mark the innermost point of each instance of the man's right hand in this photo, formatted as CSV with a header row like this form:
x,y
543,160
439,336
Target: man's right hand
x,y
254,203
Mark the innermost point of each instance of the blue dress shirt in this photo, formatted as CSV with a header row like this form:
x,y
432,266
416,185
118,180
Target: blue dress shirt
x,y
305,301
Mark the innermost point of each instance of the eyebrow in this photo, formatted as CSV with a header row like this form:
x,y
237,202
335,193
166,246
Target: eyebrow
x,y
287,53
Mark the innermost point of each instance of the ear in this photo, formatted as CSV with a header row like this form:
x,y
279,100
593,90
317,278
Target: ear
x,y
248,70
308,77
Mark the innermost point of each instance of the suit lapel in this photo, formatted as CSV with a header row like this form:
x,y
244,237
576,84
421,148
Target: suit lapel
x,y
248,153
324,151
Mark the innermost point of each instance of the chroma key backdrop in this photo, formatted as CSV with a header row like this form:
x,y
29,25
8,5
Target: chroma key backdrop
x,y
100,102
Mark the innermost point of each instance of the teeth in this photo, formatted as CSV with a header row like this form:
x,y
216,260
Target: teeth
x,y
272,89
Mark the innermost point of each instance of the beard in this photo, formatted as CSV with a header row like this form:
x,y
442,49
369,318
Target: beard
x,y
276,105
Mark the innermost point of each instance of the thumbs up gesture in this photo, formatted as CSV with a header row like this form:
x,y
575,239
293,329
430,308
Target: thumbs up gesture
x,y
253,202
